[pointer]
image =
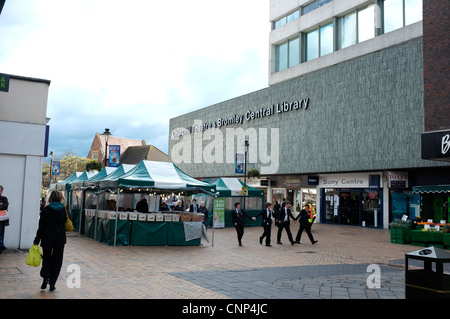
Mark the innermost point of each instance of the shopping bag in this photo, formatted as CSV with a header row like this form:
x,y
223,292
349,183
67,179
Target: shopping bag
x,y
3,215
34,256
68,224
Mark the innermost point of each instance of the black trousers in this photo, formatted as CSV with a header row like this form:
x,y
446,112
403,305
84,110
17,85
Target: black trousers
x,y
240,232
308,232
52,259
266,234
284,225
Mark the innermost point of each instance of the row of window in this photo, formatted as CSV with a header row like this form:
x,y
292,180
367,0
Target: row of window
x,y
296,14
355,27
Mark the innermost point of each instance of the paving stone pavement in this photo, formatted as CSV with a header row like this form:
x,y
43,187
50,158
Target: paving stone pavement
x,y
335,267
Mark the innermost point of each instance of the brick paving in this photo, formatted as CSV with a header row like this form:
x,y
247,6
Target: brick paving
x,y
336,267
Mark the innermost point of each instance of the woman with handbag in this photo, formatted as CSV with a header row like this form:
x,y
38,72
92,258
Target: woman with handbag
x,y
51,234
3,207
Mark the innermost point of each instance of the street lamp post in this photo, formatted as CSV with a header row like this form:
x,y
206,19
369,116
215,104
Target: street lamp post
x,y
51,168
107,133
245,169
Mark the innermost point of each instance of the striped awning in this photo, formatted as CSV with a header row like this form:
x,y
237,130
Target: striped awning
x,y
431,189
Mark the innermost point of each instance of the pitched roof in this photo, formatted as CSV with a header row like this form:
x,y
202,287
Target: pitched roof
x,y
136,154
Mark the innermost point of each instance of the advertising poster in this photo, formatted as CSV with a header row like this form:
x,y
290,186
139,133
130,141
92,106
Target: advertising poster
x,y
239,163
55,167
219,216
114,155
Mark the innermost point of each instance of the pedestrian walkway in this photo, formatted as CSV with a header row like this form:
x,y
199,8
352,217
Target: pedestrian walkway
x,y
335,267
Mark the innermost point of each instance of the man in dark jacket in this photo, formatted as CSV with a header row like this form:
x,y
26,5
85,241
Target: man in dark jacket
x,y
51,234
305,225
237,218
266,223
283,223
3,206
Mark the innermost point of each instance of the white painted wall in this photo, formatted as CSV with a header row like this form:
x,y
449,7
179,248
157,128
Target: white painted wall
x,y
22,145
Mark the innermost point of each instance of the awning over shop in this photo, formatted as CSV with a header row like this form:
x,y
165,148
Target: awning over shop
x,y
431,189
229,186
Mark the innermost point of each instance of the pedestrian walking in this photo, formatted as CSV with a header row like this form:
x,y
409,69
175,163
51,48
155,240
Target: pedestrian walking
x,y
51,234
284,223
305,225
266,223
3,206
237,218
203,210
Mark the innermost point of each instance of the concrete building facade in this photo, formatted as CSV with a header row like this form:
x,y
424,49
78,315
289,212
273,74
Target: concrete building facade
x,y
340,124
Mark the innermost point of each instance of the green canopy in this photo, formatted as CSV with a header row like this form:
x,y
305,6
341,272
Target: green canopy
x,y
431,189
110,181
83,177
160,176
228,187
61,186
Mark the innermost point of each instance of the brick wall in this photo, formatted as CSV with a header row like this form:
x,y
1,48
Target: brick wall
x,y
436,64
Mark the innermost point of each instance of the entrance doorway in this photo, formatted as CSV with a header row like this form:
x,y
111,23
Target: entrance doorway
x,y
350,207
358,207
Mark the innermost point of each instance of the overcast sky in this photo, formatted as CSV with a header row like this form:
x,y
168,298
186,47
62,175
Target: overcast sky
x,y
132,65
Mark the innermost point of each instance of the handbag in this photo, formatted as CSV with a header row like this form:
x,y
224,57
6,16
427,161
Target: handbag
x,y
34,256
4,215
68,225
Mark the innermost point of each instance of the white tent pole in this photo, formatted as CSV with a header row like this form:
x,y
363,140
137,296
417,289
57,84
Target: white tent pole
x,y
117,215
213,225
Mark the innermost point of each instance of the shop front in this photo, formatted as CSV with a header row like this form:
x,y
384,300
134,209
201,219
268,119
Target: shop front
x,y
351,199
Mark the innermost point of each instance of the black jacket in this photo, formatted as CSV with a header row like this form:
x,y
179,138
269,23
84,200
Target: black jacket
x,y
3,203
282,216
265,220
51,231
238,217
304,219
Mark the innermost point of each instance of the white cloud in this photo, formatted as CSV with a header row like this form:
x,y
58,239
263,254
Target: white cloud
x,y
134,64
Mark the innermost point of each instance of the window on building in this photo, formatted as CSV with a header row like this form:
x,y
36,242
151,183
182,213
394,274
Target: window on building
x,y
287,54
413,11
314,5
294,52
366,23
357,27
312,45
281,57
392,15
400,13
281,22
347,30
326,39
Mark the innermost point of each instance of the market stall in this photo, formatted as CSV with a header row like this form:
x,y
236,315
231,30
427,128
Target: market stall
x,y
155,181
229,192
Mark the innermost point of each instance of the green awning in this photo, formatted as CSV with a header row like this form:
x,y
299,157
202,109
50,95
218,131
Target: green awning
x,y
431,189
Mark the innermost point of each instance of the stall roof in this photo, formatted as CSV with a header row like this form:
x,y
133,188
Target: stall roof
x,y
83,177
110,180
431,189
62,184
91,181
162,176
230,186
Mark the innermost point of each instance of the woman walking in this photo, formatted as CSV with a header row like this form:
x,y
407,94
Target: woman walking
x,y
51,234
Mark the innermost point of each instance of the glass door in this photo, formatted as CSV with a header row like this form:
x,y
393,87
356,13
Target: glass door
x,y
330,206
371,212
350,207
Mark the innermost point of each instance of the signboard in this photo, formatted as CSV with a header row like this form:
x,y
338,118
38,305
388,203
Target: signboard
x,y
313,180
56,167
239,166
244,191
398,179
114,155
436,145
349,180
219,212
4,82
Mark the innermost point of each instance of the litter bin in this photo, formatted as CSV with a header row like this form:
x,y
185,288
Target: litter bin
x,y
431,282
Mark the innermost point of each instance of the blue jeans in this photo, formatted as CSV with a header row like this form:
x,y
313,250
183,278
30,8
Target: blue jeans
x,y
2,233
